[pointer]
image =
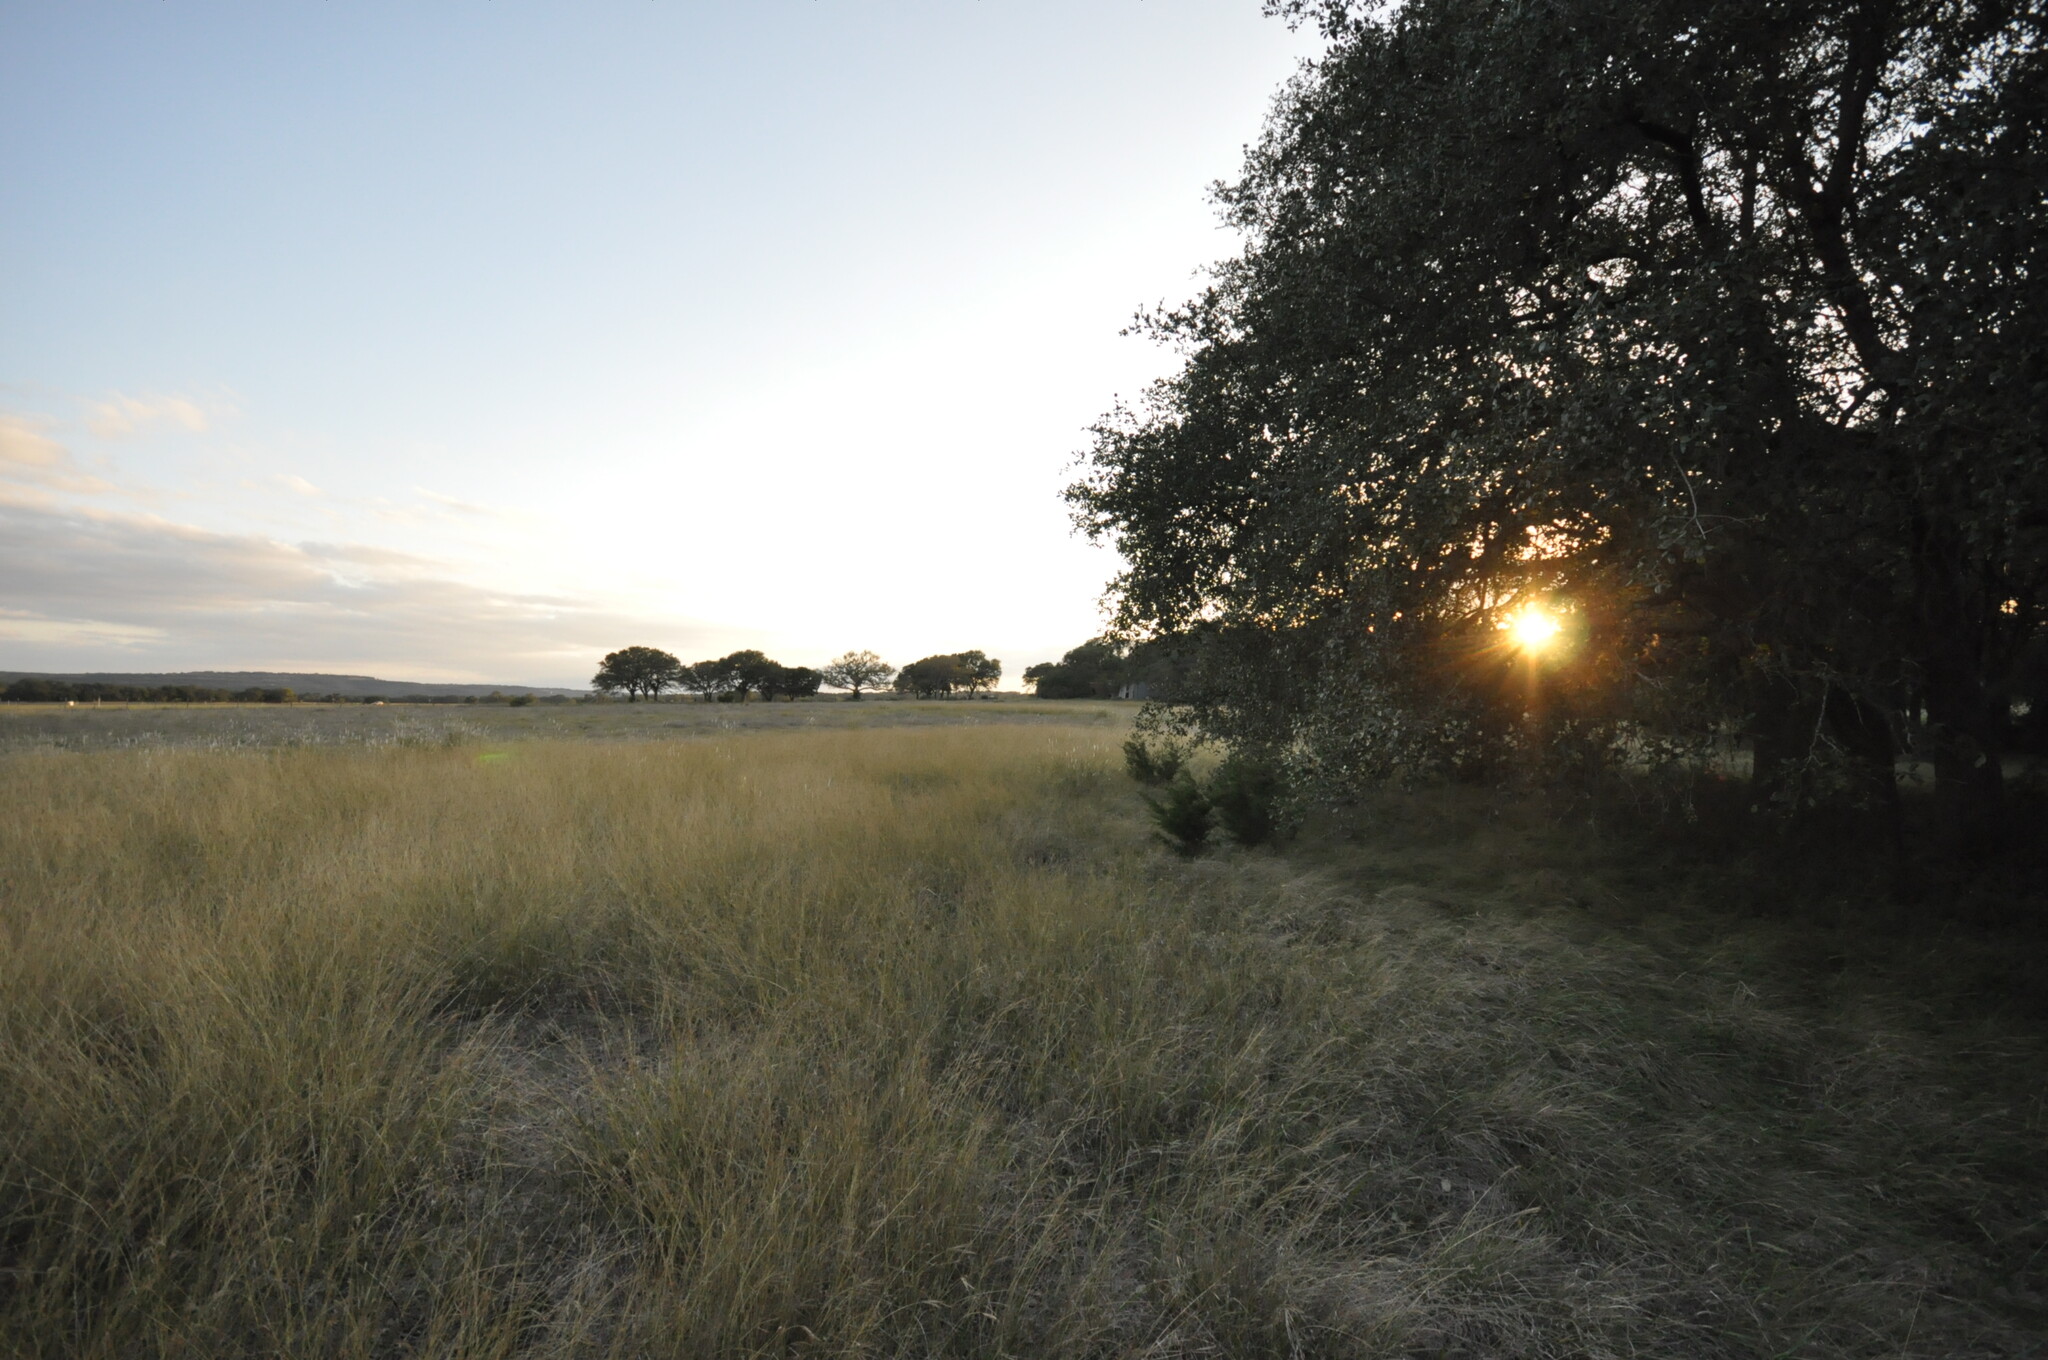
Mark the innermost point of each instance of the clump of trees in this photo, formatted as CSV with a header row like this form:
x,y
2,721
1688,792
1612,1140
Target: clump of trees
x,y
730,678
790,682
1716,331
939,677
638,673
648,672
1108,668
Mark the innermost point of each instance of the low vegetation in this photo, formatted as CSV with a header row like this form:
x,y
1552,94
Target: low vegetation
x,y
42,727
906,1041
31,689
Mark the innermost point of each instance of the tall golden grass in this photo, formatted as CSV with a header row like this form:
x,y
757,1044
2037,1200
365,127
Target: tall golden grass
x,y
878,1043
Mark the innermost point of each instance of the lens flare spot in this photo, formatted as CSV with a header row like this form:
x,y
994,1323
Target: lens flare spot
x,y
1532,628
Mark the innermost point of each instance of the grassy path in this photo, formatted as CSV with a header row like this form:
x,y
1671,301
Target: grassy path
x,y
903,1041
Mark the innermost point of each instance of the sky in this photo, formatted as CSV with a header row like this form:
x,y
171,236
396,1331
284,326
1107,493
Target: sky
x,y
469,341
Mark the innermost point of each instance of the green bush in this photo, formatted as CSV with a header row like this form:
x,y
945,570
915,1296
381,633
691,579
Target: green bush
x,y
1182,815
1245,793
1154,766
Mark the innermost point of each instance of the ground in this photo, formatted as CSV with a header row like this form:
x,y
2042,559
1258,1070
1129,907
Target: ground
x,y
887,1029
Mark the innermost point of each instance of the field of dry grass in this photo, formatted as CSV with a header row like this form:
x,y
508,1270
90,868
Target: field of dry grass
x,y
903,1040
113,727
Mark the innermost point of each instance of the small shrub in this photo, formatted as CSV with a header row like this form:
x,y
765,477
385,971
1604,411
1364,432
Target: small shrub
x,y
1182,815
1154,766
1245,793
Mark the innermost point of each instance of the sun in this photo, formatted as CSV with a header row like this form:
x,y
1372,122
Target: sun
x,y
1532,628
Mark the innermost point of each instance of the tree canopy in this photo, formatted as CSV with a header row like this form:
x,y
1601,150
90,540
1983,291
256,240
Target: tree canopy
x,y
931,677
1093,670
638,672
1107,668
790,682
729,678
980,671
935,677
857,671
1714,329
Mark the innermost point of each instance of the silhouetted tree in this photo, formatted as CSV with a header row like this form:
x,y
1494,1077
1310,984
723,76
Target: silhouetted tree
x,y
981,671
1104,668
637,671
790,682
731,677
1093,670
932,677
857,671
702,679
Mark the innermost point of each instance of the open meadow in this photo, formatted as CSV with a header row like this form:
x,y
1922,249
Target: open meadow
x,y
889,1030
27,727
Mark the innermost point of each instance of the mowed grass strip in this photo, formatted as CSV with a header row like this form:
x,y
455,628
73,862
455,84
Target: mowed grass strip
x,y
905,1042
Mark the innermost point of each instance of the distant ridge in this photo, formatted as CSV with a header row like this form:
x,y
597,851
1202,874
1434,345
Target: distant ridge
x,y
355,686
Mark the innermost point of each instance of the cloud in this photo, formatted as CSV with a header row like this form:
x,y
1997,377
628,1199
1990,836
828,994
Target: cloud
x,y
433,509
461,506
18,626
28,456
121,415
83,589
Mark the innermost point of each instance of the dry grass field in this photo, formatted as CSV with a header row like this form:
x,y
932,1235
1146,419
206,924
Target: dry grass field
x,y
902,1039
54,727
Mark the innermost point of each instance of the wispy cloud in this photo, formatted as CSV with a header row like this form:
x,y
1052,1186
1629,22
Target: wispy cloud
x,y
29,457
121,415
84,589
462,506
19,626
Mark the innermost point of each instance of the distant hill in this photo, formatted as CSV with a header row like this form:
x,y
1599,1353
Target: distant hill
x,y
355,686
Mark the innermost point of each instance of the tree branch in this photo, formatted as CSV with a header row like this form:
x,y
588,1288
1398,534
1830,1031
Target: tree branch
x,y
1827,201
1685,159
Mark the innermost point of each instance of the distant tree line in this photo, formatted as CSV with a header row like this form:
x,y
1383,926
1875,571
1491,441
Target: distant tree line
x,y
32,690
38,690
648,672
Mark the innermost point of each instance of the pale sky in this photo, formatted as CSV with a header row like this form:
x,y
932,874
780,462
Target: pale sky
x,y
471,340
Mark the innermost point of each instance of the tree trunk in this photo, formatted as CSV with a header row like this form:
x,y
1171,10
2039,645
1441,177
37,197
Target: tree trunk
x,y
1965,713
1781,733
1967,733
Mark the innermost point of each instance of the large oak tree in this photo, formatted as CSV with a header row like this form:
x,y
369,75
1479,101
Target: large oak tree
x,y
857,671
1718,326
637,672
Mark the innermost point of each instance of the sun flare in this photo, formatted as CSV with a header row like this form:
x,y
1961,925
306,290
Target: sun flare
x,y
1532,628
